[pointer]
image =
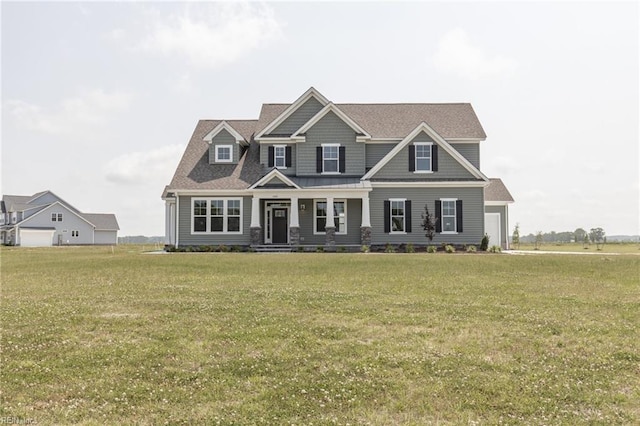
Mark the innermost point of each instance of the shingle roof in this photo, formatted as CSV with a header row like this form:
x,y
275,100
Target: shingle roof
x,y
102,221
195,172
496,191
379,120
398,120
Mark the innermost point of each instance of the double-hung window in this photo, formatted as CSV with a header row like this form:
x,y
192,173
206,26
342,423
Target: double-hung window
x,y
397,216
423,157
280,156
224,153
448,215
330,158
217,215
339,216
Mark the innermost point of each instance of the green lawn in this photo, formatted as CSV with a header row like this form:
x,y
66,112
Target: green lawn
x,y
95,336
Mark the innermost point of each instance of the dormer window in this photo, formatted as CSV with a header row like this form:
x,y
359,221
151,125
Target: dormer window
x,y
224,153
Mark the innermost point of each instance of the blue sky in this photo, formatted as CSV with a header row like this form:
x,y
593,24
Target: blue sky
x,y
100,99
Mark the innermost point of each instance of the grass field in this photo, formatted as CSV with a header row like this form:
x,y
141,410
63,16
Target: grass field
x,y
621,248
95,336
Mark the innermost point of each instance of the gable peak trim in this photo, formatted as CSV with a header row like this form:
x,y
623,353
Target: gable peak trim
x,y
275,173
361,134
225,126
311,92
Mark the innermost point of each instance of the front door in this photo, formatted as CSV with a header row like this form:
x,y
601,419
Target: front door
x,y
280,223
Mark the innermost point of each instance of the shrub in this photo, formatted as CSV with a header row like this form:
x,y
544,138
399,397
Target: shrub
x,y
236,249
389,248
320,249
471,249
495,249
365,248
431,249
342,249
410,248
223,249
484,244
449,248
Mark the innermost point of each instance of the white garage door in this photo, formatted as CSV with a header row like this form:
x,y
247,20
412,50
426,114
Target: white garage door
x,y
492,228
36,237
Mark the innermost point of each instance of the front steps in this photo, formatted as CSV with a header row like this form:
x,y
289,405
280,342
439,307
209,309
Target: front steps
x,y
273,248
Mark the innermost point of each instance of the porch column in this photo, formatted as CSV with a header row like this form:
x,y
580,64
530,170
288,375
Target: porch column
x,y
294,223
170,223
330,225
365,226
255,228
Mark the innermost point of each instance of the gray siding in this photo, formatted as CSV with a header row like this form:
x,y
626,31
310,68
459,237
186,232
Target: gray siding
x,y
106,237
354,220
504,232
264,158
70,222
398,166
472,218
376,152
184,226
331,129
224,138
470,151
299,117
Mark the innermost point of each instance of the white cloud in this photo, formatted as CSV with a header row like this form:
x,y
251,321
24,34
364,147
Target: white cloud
x,y
211,35
153,167
72,115
458,55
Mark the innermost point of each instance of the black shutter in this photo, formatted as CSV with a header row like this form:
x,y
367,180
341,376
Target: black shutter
x,y
271,156
412,158
287,154
387,216
438,215
434,158
407,215
342,159
459,215
319,159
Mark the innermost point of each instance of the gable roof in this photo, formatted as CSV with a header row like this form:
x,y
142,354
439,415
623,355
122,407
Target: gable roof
x,y
276,120
424,127
50,206
497,192
331,107
277,175
229,128
102,221
396,121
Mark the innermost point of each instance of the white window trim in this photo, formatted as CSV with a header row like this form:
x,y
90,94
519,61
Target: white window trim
x,y
430,144
230,160
329,145
455,216
404,216
225,221
315,217
284,157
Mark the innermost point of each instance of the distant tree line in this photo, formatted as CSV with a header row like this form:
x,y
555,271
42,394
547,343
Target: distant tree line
x,y
594,236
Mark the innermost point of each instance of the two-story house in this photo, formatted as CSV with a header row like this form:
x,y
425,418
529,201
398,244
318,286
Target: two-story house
x,y
317,173
44,219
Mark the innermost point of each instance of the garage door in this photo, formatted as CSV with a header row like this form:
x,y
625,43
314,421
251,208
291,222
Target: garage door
x,y
36,237
492,228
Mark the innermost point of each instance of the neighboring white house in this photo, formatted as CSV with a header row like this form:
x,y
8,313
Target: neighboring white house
x,y
44,219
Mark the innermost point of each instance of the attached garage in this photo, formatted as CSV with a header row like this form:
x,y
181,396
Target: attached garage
x,y
36,237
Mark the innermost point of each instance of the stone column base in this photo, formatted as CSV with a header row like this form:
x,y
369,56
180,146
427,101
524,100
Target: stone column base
x,y
365,235
294,235
256,236
331,235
